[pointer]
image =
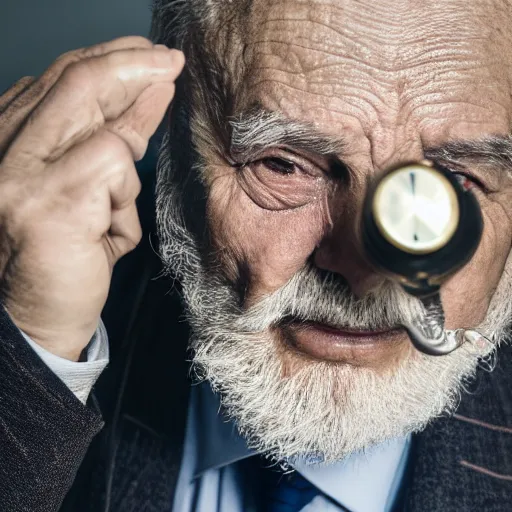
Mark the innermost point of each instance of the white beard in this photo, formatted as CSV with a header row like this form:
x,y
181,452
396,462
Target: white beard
x,y
323,409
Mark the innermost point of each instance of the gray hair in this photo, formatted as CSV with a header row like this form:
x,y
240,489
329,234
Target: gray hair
x,y
209,33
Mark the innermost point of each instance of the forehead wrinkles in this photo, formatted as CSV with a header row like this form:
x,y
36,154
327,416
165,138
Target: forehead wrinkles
x,y
388,35
385,53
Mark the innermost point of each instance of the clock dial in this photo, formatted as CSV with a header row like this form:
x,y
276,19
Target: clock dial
x,y
416,209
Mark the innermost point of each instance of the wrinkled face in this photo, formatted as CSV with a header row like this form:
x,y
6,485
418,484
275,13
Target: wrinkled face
x,y
391,82
343,90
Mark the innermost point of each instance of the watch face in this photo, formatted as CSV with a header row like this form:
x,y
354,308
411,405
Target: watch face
x,y
416,209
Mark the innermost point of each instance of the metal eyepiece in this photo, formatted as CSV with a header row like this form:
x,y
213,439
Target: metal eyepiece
x,y
445,344
420,225
428,334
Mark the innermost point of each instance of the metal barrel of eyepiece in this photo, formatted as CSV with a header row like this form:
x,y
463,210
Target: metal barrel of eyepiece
x,y
420,224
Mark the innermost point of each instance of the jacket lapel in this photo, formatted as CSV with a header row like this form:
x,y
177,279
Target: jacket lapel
x,y
152,412
464,463
133,465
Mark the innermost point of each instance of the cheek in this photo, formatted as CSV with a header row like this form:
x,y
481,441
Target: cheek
x,y
467,295
270,246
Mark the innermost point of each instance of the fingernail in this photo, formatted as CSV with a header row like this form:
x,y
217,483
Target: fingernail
x,y
170,61
178,57
160,47
174,58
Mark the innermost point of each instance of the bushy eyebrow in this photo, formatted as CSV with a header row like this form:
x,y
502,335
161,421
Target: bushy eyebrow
x,y
493,151
258,129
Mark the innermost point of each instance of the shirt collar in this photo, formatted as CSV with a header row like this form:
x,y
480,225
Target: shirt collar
x,y
347,482
365,481
217,440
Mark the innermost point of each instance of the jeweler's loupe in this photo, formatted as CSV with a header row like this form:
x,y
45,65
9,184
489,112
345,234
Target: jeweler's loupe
x,y
421,223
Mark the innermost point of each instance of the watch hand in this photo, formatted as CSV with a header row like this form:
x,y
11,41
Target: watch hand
x,y
413,188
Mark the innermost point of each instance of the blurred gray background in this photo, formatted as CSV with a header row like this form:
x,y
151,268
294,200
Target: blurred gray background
x,y
34,32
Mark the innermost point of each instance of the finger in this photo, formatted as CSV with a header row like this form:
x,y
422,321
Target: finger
x,y
51,75
101,162
14,90
9,123
125,232
121,43
140,121
17,107
91,92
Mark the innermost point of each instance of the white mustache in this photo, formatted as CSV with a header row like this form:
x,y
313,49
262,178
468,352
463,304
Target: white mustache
x,y
314,296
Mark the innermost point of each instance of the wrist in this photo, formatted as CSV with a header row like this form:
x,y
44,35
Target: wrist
x,y
65,343
69,352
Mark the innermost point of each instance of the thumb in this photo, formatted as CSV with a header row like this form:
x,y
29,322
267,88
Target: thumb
x,y
140,121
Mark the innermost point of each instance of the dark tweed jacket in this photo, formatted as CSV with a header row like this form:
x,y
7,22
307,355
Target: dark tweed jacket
x,y
121,452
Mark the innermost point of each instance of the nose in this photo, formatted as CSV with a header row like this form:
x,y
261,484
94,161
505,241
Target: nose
x,y
341,249
341,253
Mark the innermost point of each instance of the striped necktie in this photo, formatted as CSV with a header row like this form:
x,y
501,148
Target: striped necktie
x,y
289,492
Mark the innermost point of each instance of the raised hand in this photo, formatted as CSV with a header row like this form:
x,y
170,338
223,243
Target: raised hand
x,y
68,184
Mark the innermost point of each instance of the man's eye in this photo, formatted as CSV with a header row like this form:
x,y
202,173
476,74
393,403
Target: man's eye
x,y
277,183
465,177
279,165
468,182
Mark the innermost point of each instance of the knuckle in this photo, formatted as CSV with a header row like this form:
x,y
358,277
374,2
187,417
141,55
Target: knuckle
x,y
134,238
133,186
117,148
133,139
130,237
136,234
77,76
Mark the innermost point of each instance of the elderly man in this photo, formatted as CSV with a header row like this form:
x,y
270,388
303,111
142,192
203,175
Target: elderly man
x,y
308,394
